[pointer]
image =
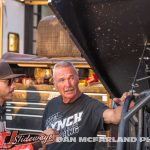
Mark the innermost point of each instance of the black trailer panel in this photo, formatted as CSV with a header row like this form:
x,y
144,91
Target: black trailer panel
x,y
111,35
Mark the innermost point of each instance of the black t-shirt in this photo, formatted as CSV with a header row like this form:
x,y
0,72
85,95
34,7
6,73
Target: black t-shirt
x,y
82,118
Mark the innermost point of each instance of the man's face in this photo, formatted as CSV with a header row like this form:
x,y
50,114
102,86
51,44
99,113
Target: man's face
x,y
66,82
6,90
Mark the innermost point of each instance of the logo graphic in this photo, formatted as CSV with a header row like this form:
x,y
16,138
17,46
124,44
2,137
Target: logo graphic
x,y
67,126
11,139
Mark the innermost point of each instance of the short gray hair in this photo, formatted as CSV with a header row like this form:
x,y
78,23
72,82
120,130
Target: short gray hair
x,y
63,64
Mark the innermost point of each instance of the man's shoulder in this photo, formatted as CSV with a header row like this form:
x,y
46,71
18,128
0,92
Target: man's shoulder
x,y
90,99
54,100
95,106
93,101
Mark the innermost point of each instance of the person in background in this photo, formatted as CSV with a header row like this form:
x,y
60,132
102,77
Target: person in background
x,y
6,89
6,93
74,114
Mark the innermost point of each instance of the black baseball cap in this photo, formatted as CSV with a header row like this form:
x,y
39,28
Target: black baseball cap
x,y
6,72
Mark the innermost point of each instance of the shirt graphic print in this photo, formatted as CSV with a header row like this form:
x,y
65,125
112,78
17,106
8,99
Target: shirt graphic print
x,y
67,126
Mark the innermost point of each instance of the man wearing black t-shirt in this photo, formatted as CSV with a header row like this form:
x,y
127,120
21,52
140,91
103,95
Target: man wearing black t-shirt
x,y
74,114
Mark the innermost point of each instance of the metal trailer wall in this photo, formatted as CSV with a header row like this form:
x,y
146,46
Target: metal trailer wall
x,y
13,21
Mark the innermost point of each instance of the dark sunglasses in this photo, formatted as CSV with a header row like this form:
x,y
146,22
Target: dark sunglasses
x,y
9,82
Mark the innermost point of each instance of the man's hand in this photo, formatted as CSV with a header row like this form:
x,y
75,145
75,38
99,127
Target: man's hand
x,y
114,115
120,101
53,134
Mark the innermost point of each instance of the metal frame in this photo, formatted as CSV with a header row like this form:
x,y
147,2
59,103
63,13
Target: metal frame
x,y
1,27
126,115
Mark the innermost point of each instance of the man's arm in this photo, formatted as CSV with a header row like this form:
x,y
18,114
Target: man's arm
x,y
112,115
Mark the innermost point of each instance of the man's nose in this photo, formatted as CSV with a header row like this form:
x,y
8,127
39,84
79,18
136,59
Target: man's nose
x,y
67,83
12,85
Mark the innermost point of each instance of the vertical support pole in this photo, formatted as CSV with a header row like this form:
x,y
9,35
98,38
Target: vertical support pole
x,y
1,27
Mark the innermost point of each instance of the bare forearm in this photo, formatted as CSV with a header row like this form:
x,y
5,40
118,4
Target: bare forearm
x,y
112,115
117,114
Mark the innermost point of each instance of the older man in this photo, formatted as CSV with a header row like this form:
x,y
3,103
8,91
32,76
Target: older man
x,y
74,114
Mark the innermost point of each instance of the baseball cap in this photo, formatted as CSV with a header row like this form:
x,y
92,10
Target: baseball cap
x,y
6,72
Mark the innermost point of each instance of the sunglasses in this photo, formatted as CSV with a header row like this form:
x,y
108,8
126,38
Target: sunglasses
x,y
9,81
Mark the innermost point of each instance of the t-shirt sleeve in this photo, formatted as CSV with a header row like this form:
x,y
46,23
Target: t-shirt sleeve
x,y
97,115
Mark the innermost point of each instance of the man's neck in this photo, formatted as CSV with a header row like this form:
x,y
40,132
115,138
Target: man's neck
x,y
75,98
1,102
